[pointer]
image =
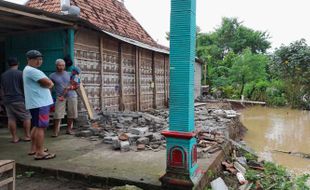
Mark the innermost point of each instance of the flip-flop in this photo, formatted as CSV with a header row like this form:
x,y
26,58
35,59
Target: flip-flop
x,y
46,157
70,133
54,136
14,142
33,153
26,140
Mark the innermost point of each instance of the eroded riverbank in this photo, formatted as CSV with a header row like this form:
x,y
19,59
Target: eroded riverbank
x,y
279,129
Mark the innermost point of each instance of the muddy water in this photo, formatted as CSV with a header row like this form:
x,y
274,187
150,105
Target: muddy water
x,y
279,129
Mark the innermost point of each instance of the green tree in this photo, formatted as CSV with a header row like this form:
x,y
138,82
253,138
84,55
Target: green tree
x,y
248,68
292,64
220,47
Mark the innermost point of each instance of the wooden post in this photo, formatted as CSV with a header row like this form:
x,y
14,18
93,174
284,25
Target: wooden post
x,y
165,82
154,81
205,73
137,79
101,74
120,70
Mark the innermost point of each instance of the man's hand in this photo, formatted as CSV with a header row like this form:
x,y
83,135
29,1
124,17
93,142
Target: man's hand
x,y
46,83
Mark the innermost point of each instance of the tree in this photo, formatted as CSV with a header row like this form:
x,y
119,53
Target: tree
x,y
248,68
220,47
292,64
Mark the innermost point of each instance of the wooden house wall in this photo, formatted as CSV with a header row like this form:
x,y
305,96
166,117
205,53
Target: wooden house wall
x,y
129,76
120,76
146,80
111,79
159,61
87,58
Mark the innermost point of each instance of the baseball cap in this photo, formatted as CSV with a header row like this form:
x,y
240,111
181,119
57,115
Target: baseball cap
x,y
32,54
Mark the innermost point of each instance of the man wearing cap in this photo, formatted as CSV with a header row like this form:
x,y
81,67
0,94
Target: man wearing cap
x,y
38,99
66,97
14,100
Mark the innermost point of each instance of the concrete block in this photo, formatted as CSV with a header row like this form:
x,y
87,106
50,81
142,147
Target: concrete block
x,y
132,138
218,184
239,167
143,140
116,143
139,130
125,147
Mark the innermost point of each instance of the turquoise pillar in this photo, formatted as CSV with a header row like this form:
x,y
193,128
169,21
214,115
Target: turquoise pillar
x,y
71,43
182,169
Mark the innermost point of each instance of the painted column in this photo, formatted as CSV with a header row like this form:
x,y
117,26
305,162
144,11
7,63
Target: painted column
x,y
182,168
71,43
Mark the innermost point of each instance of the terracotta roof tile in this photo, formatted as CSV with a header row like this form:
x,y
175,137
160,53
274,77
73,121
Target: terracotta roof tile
x,y
108,15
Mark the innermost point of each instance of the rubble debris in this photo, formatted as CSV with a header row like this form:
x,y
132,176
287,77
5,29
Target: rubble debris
x,y
139,130
241,178
218,184
124,146
145,128
141,147
240,168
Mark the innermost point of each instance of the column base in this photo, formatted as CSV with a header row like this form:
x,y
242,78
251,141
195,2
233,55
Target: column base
x,y
176,180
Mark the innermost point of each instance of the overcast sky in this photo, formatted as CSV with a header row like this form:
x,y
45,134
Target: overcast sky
x,y
285,20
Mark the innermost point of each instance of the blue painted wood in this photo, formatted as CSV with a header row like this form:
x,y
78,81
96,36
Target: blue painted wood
x,y
52,44
71,43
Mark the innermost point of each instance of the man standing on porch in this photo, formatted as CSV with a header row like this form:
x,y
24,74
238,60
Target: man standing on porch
x,y
14,101
38,99
66,97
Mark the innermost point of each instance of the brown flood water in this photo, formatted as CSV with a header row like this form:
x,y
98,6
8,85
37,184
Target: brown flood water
x,y
279,129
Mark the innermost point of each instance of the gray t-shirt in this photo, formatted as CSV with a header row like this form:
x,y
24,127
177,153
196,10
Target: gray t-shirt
x,y
12,86
61,81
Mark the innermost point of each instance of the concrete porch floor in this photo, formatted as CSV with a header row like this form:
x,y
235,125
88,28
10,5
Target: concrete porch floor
x,y
93,158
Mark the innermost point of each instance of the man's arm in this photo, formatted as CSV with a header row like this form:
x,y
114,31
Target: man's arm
x,y
46,83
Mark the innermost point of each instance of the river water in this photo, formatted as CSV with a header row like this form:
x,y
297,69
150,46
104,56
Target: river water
x,y
279,129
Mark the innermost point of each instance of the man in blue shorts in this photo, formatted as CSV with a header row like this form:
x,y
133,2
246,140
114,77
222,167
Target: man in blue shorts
x,y
38,99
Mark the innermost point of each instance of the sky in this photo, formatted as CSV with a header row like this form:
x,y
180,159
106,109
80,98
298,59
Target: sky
x,y
285,20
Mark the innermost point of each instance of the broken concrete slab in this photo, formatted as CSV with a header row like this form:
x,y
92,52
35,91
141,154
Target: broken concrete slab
x,y
116,143
141,147
139,130
125,146
143,140
218,184
240,168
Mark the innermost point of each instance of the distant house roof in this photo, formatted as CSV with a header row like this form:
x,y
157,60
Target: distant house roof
x,y
108,15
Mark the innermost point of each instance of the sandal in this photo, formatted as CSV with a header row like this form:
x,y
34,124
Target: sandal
x,y
46,157
33,153
26,140
14,142
70,133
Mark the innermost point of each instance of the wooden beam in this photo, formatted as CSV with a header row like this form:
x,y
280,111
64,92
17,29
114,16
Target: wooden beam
x,y
154,80
120,70
101,74
40,17
137,79
14,27
39,30
24,22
